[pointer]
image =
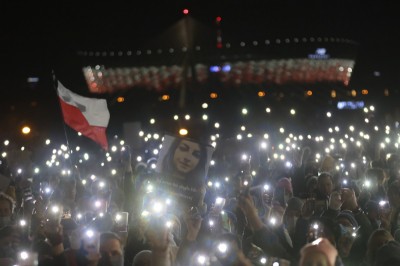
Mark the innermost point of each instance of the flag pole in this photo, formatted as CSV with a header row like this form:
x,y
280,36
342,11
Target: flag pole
x,y
55,87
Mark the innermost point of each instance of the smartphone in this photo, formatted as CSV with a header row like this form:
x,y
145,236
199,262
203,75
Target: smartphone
x,y
27,258
219,204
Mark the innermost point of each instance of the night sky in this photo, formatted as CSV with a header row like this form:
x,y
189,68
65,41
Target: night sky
x,y
37,38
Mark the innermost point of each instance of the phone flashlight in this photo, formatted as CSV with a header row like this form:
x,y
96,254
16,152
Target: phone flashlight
x,y
222,247
266,187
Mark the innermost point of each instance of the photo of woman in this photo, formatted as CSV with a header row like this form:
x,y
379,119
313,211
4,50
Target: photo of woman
x,y
185,160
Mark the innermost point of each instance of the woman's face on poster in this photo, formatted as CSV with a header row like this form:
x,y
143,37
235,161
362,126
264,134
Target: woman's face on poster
x,y
186,156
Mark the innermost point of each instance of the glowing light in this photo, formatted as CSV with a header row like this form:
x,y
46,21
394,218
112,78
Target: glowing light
x,y
204,106
261,94
328,114
120,99
26,130
244,111
222,247
176,117
185,11
183,131
152,121
205,117
6,142
165,97
292,112
187,117
213,95
24,255
268,110
309,93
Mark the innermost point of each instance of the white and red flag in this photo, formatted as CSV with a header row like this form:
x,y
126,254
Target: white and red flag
x,y
89,116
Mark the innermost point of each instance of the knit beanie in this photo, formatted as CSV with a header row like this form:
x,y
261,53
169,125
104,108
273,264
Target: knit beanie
x,y
346,214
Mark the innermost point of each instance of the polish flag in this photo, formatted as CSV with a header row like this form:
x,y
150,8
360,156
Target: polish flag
x,y
88,116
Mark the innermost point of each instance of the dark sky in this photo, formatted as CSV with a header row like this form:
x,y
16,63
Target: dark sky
x,y
36,36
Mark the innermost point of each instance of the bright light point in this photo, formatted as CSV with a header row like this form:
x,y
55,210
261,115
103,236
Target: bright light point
x,y
216,125
155,151
114,148
204,106
79,216
77,148
22,148
19,171
113,171
222,247
26,130
79,134
187,117
367,183
157,207
272,220
6,142
244,111
152,121
55,209
219,200
22,222
245,182
84,182
209,183
205,117
86,156
268,110
372,108
24,255
266,187
168,224
183,132
176,117
4,154
282,130
89,233
266,136
93,177
47,142
328,114
185,11
212,162
315,226
263,260
292,112
217,185
141,133
351,128
118,217
153,166
263,145
201,259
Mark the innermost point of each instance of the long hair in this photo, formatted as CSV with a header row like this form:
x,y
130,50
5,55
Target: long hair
x,y
195,176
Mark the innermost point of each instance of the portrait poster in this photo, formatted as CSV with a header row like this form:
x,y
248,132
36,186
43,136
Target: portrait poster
x,y
182,167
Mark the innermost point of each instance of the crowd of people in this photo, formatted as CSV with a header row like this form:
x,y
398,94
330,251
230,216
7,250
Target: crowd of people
x,y
341,209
